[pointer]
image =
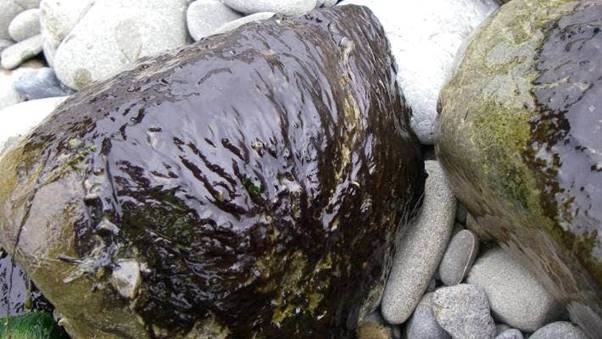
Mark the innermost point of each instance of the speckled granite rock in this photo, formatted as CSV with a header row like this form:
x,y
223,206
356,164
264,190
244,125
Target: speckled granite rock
x,y
520,140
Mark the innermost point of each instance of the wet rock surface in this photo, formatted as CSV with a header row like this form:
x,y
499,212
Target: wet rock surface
x,y
520,126
232,176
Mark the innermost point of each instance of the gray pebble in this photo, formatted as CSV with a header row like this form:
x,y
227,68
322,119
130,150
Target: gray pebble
x,y
204,17
515,295
559,329
422,323
25,25
459,257
38,84
287,7
8,11
14,55
421,248
232,25
463,311
511,333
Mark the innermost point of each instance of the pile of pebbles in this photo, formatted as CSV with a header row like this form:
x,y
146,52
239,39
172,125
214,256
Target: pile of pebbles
x,y
448,283
445,281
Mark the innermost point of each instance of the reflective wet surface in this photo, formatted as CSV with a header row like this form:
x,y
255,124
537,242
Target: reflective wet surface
x,y
566,135
258,178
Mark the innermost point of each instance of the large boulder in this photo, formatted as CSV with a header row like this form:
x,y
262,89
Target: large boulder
x,y
521,140
249,185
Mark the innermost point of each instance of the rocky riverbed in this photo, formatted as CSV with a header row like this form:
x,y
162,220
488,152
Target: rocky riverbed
x,y
301,168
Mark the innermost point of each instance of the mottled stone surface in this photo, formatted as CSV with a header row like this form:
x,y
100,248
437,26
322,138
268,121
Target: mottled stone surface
x,y
423,324
521,141
463,311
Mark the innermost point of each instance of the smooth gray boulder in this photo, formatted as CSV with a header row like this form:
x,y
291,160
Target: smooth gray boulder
x,y
463,311
114,34
515,296
204,17
57,19
420,248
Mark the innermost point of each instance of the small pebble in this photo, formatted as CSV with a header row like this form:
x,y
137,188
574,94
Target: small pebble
x,y
204,17
38,84
499,328
463,311
25,25
511,333
421,248
286,7
515,295
232,25
422,323
558,330
14,55
8,11
459,257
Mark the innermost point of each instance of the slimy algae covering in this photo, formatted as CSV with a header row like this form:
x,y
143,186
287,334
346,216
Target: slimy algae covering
x,y
250,185
521,140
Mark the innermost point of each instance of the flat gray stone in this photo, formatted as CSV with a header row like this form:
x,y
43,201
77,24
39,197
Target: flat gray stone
x,y
8,11
511,333
425,38
114,34
515,296
287,7
232,25
463,311
422,323
459,257
15,54
25,25
559,329
204,17
421,247
57,19
39,84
